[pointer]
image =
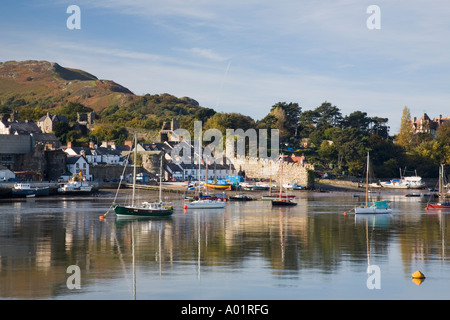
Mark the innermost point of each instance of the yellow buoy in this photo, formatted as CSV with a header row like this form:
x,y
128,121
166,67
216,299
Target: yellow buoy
x,y
418,275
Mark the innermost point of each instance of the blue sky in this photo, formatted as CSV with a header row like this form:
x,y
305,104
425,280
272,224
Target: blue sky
x,y
245,56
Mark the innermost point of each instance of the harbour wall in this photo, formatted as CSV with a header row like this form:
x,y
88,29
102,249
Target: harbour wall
x,y
302,174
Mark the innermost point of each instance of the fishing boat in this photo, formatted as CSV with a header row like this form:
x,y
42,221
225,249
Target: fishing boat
x,y
21,190
285,202
376,206
144,209
444,202
76,185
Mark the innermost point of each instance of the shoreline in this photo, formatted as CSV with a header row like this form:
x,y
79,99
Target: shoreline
x,y
320,186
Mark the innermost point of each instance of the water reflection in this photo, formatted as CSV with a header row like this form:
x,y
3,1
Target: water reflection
x,y
40,239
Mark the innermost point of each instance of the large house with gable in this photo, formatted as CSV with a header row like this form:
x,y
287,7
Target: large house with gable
x,y
48,122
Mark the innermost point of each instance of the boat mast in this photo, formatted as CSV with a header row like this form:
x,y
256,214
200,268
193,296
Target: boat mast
x,y
134,169
281,176
160,177
199,163
367,180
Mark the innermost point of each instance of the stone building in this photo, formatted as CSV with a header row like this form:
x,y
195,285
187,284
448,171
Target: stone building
x,y
48,122
32,155
427,125
167,131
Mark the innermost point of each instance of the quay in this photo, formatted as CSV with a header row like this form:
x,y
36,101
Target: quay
x,y
6,186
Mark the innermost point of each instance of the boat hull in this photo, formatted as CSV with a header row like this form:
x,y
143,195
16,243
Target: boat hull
x,y
277,196
438,206
283,203
218,186
124,211
204,205
240,198
371,210
74,192
22,193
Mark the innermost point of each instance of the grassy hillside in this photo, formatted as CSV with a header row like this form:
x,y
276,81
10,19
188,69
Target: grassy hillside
x,y
37,87
49,85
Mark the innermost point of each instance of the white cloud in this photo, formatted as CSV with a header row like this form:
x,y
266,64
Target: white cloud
x,y
205,53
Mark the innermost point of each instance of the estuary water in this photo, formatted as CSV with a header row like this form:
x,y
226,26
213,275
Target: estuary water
x,y
248,250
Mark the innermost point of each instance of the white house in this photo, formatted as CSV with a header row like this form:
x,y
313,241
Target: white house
x,y
77,164
96,155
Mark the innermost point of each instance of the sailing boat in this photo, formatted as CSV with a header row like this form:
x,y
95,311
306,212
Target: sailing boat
x,y
372,207
202,203
282,201
444,202
145,209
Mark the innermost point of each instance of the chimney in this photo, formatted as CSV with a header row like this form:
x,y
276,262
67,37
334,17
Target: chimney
x,y
129,143
91,145
69,145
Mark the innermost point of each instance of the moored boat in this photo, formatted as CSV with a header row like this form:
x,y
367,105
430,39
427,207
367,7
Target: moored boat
x,y
204,204
273,196
218,186
375,206
144,209
26,190
76,185
240,197
408,182
444,197
282,201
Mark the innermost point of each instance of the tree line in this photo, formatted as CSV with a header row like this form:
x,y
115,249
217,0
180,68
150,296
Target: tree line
x,y
333,142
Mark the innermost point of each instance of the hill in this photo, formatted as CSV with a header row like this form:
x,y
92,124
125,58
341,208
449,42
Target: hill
x,y
48,85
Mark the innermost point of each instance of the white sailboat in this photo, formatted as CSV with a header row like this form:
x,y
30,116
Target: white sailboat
x,y
376,206
203,203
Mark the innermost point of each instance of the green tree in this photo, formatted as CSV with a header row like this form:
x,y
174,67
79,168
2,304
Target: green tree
x,y
328,116
70,110
443,140
357,120
404,137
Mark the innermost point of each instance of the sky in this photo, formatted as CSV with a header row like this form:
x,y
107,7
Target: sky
x,y
245,56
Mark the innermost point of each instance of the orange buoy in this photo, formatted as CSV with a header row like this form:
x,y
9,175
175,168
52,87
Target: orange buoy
x,y
345,213
101,218
185,206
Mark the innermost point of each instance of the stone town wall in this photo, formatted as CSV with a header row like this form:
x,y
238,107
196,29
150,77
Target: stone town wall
x,y
302,174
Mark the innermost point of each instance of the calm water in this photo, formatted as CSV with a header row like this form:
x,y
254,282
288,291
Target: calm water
x,y
246,251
